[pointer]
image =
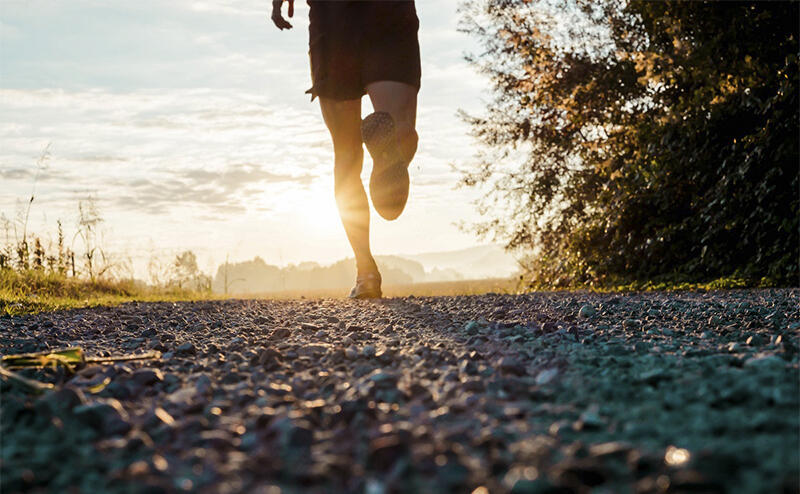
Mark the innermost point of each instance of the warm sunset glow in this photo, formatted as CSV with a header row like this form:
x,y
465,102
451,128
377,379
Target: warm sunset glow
x,y
191,129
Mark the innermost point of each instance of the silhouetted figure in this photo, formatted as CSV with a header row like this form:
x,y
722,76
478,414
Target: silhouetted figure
x,y
358,48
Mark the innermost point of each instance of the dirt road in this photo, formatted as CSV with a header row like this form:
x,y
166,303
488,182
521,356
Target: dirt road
x,y
561,392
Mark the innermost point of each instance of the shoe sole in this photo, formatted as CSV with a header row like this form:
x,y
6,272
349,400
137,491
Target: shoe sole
x,y
389,181
366,295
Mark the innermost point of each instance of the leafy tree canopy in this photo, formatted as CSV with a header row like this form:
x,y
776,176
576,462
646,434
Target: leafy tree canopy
x,y
640,140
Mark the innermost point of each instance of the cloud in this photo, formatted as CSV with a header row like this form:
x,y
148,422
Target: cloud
x,y
193,111
215,192
16,173
237,175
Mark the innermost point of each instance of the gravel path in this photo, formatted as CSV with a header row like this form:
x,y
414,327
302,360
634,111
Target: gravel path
x,y
540,393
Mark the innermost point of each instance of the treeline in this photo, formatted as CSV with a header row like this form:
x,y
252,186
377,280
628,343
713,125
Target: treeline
x,y
641,140
257,276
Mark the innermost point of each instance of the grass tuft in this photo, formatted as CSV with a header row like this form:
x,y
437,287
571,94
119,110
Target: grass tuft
x,y
34,291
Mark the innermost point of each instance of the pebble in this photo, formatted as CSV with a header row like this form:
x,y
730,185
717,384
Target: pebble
x,y
586,311
396,395
512,365
203,384
64,399
186,349
471,327
546,376
755,340
147,376
106,416
765,362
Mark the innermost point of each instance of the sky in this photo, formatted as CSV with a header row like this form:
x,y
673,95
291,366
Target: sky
x,y
188,123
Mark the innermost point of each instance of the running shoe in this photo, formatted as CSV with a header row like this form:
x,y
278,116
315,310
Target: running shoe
x,y
388,184
367,286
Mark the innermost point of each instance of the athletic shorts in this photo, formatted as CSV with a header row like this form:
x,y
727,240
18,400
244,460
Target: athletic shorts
x,y
355,43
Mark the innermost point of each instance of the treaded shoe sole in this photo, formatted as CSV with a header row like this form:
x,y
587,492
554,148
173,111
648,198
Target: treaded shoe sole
x,y
365,294
366,288
389,181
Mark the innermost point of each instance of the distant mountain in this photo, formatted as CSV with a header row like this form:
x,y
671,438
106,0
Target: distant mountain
x,y
257,276
485,261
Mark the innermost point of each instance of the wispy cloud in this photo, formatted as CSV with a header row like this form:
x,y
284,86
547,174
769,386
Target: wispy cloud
x,y
188,116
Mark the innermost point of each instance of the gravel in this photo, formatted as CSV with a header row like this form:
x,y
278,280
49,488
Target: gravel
x,y
538,393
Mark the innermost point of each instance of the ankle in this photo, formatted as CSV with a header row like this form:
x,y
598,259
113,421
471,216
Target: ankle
x,y
366,267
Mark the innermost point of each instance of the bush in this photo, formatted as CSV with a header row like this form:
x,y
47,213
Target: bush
x,y
652,140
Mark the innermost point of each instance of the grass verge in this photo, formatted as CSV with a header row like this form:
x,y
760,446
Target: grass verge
x,y
35,291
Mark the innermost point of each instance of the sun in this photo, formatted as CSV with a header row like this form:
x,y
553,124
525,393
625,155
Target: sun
x,y
316,208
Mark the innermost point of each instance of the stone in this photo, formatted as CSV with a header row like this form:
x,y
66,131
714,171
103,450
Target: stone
x,y
297,436
203,384
536,486
549,327
471,327
590,420
269,358
652,376
512,365
186,349
765,362
216,439
385,451
64,399
368,351
755,340
105,416
546,376
147,376
383,380
587,311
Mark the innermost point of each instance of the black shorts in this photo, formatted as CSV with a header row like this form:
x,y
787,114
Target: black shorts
x,y
355,43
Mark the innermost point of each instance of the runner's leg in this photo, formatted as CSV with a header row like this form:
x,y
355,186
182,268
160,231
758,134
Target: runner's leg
x,y
343,119
400,101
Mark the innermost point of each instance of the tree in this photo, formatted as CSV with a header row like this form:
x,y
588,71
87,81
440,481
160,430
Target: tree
x,y
640,140
186,274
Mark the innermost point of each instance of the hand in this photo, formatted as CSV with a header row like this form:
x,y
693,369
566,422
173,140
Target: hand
x,y
277,18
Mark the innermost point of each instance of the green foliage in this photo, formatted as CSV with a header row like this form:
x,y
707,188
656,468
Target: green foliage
x,y
24,292
641,140
34,278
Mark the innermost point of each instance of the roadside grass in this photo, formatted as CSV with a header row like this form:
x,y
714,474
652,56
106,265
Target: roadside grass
x,y
662,285
513,286
34,291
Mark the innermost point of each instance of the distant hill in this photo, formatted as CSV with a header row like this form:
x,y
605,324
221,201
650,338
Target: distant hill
x,y
257,276
485,261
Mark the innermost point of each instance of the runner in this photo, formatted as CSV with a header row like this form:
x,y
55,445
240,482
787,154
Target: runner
x,y
358,48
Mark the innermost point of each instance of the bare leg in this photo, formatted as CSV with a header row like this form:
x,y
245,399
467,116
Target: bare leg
x,y
343,119
400,101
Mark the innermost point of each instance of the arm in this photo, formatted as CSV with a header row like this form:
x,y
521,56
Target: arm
x,y
277,18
